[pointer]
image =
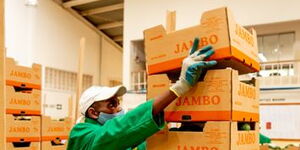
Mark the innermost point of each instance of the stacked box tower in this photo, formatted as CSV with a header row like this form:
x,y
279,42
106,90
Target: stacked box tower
x,y
23,106
55,133
220,112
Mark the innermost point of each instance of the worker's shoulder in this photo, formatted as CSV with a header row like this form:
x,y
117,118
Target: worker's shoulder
x,y
84,127
81,130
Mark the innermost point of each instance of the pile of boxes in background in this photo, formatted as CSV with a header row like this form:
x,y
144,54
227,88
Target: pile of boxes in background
x,y
220,112
26,127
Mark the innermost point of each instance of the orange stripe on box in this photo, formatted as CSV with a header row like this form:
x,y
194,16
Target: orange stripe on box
x,y
165,66
221,53
174,116
173,64
23,139
248,60
50,138
245,116
26,112
27,85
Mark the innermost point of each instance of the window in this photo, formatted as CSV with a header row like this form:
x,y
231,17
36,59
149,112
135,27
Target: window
x,y
65,80
276,47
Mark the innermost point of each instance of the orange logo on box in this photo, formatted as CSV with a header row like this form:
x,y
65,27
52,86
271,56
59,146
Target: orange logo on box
x,y
198,100
242,33
56,129
247,91
19,129
184,147
185,46
217,85
158,85
20,74
246,138
19,101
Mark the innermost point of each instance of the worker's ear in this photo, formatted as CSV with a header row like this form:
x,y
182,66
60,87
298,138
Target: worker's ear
x,y
92,113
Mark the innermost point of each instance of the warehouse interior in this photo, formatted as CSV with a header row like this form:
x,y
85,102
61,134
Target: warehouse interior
x,y
52,51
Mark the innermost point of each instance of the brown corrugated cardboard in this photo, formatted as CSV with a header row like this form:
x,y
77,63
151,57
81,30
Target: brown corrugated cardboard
x,y
292,148
23,101
55,129
216,135
263,147
23,128
234,46
19,75
47,145
220,97
23,146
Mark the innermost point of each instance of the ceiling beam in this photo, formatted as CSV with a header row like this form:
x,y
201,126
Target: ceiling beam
x,y
102,9
118,38
73,3
110,25
76,15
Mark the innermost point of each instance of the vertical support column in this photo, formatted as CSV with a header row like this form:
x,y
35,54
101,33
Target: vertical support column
x,y
171,21
79,76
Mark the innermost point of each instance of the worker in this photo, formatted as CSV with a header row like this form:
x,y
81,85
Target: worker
x,y
106,127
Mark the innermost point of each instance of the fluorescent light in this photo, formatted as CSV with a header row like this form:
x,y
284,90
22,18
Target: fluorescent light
x,y
262,57
31,2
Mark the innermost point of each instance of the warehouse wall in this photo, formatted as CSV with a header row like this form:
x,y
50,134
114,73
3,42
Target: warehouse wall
x,y
282,27
49,35
140,15
111,65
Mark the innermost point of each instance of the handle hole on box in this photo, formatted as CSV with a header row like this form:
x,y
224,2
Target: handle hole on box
x,y
23,89
21,144
186,117
57,142
188,126
23,118
246,126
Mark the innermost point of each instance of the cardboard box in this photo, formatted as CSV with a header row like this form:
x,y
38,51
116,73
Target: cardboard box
x,y
23,146
2,74
55,129
48,145
23,100
216,135
293,148
219,97
20,75
264,147
23,128
234,46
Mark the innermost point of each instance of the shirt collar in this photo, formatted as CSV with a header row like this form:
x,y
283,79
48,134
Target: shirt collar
x,y
92,121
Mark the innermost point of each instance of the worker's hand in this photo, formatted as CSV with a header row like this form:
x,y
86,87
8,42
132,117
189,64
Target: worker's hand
x,y
192,67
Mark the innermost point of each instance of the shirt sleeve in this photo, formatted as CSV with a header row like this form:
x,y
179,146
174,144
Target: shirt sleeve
x,y
128,130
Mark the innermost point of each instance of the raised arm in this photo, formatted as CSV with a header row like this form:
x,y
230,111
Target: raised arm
x,y
191,70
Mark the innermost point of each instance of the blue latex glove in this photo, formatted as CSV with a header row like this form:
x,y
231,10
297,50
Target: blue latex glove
x,y
192,67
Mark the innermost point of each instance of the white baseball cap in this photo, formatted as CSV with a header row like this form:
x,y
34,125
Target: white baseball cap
x,y
98,93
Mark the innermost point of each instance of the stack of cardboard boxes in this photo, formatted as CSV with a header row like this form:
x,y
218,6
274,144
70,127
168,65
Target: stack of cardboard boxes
x,y
220,112
26,127
23,106
55,133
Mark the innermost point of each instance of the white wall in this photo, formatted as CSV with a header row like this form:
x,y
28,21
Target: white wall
x,y
282,27
140,15
49,35
111,64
